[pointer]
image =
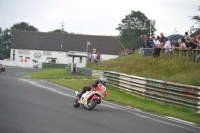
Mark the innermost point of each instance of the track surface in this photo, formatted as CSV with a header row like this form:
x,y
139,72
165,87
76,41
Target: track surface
x,y
35,106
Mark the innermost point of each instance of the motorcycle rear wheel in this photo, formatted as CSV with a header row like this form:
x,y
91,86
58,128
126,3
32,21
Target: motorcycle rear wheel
x,y
93,104
76,104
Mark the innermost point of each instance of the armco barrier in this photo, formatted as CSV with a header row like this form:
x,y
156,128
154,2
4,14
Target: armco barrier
x,y
50,65
186,96
84,71
81,71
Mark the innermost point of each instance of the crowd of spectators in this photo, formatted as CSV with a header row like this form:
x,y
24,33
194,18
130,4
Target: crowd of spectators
x,y
153,46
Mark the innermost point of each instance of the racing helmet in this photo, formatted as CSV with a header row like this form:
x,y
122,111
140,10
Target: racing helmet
x,y
103,80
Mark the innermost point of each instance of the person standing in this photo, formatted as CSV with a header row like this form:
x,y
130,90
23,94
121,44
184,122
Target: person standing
x,y
187,38
98,56
150,45
182,45
89,57
193,44
144,46
156,51
162,38
167,45
198,42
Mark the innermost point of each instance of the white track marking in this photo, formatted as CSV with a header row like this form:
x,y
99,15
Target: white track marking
x,y
108,106
45,87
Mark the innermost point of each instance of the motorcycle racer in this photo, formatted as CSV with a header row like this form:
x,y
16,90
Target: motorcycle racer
x,y
92,86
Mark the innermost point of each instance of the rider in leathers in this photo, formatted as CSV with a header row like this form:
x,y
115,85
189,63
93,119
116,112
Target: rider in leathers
x,y
92,86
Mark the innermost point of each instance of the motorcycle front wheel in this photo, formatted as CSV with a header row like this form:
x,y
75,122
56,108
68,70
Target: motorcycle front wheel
x,y
76,104
92,104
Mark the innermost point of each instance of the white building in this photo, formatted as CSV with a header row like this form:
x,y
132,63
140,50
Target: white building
x,y
30,48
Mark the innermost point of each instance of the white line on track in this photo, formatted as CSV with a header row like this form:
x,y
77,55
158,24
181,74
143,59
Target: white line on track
x,y
45,87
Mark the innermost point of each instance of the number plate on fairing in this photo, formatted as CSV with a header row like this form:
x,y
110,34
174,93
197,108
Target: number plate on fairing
x,y
84,101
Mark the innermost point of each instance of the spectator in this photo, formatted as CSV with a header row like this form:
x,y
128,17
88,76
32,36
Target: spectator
x,y
182,45
177,43
198,43
89,57
144,42
157,42
122,54
173,42
144,46
128,51
162,37
93,56
156,51
125,52
193,43
158,37
187,38
150,45
98,57
150,42
167,45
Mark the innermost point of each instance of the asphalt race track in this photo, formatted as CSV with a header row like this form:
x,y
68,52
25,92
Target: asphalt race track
x,y
36,106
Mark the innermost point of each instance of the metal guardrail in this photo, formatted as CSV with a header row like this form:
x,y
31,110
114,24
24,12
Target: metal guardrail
x,y
186,96
81,71
84,71
51,65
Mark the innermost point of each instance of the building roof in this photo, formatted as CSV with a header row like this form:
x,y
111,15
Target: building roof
x,y
70,42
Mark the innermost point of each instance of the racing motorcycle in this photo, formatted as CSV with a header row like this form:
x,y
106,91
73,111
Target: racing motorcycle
x,y
90,98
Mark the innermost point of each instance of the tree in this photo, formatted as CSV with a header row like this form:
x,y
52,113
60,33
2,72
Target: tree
x,y
5,43
132,27
5,36
62,30
58,31
197,18
24,27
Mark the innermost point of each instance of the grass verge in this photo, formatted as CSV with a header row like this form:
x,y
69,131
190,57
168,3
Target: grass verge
x,y
119,97
167,69
53,74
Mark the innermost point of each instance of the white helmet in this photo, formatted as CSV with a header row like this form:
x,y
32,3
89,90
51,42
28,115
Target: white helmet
x,y
103,80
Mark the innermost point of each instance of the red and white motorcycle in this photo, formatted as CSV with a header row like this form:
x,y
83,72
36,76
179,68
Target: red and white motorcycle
x,y
90,98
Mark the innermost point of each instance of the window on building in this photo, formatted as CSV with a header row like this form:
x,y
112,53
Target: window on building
x,y
24,52
47,53
20,52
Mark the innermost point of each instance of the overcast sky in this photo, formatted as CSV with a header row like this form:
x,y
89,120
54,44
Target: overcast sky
x,y
97,17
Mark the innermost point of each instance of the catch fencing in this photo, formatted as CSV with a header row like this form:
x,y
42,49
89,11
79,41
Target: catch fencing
x,y
186,54
186,96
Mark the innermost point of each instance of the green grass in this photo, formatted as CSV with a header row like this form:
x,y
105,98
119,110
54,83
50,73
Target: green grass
x,y
166,69
53,74
95,67
105,65
122,98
